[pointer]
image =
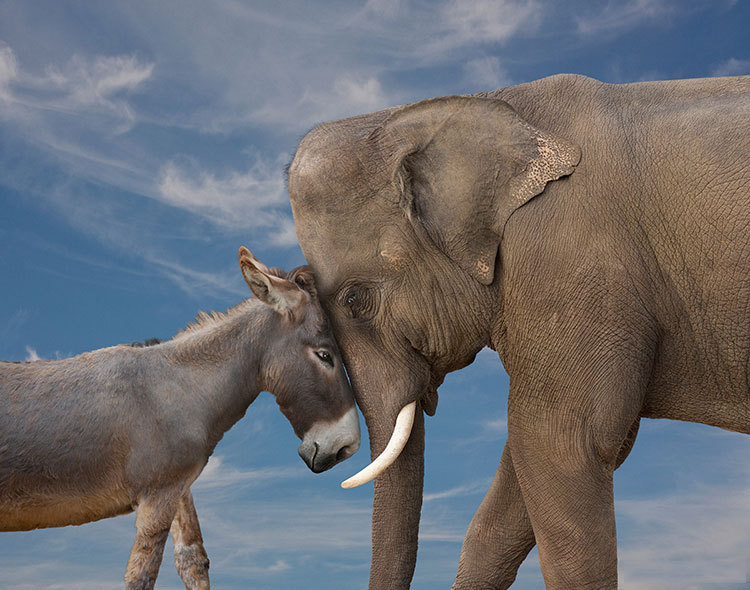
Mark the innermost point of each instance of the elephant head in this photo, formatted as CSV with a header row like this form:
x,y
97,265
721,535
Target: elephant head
x,y
401,213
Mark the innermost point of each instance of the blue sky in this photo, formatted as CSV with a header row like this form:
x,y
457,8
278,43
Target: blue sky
x,y
141,143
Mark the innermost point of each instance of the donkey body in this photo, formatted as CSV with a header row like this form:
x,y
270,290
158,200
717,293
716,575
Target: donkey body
x,y
130,428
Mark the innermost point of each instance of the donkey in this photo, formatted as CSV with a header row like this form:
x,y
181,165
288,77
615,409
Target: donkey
x,y
130,428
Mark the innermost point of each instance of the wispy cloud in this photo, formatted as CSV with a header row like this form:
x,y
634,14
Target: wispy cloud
x,y
617,16
217,473
31,354
497,425
251,68
282,527
57,575
255,199
196,282
349,94
470,22
732,67
84,86
687,540
8,71
384,8
479,487
486,72
97,85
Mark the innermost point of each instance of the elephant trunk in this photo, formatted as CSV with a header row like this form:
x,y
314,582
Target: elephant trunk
x,y
389,393
397,504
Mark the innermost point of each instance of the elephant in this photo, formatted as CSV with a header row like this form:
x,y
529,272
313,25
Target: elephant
x,y
597,236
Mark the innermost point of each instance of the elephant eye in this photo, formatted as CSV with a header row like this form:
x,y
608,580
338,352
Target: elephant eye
x,y
351,300
361,301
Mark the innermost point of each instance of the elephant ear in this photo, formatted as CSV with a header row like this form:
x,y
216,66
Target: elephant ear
x,y
461,165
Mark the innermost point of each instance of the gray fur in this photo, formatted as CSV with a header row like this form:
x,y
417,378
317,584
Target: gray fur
x,y
130,428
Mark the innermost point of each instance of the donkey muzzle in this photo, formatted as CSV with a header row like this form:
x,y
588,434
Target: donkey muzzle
x,y
328,443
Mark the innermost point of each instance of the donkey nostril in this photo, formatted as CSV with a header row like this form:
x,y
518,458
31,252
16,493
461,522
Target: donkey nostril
x,y
343,453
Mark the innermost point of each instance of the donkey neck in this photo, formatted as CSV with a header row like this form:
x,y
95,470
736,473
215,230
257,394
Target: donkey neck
x,y
220,357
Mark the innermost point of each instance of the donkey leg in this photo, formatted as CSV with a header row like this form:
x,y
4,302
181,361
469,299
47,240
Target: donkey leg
x,y
190,557
153,518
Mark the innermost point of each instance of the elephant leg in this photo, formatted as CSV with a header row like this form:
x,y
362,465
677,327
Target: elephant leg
x,y
153,518
564,456
190,557
499,536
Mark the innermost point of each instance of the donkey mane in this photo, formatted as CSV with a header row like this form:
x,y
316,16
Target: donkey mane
x,y
212,319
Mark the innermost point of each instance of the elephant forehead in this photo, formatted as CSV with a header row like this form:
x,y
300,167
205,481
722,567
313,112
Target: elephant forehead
x,y
336,246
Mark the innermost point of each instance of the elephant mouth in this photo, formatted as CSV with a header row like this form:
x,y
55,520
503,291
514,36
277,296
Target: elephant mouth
x,y
427,402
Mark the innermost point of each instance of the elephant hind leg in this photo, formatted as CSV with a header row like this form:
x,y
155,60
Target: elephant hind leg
x,y
499,536
190,556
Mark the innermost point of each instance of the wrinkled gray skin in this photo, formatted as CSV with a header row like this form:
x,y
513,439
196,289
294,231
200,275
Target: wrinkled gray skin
x,y
596,236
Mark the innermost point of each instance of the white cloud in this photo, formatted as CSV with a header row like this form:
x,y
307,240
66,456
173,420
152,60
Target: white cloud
x,y
31,354
194,282
278,566
302,63
57,575
98,84
344,95
686,540
8,71
217,474
497,425
384,8
486,21
248,200
487,73
83,86
733,67
623,15
281,527
463,490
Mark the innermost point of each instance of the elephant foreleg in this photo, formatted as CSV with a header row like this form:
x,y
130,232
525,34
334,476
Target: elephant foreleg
x,y
500,535
564,455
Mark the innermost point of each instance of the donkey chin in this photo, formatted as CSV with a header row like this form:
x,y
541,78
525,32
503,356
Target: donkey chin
x,y
328,443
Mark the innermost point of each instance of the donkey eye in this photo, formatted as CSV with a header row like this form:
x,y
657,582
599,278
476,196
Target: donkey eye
x,y
325,356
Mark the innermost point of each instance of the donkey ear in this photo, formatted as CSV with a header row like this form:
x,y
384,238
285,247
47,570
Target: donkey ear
x,y
462,165
283,295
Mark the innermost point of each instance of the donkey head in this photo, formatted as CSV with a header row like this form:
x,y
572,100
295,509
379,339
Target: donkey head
x,y
302,366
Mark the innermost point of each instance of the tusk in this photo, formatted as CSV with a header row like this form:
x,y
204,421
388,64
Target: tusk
x,y
399,438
